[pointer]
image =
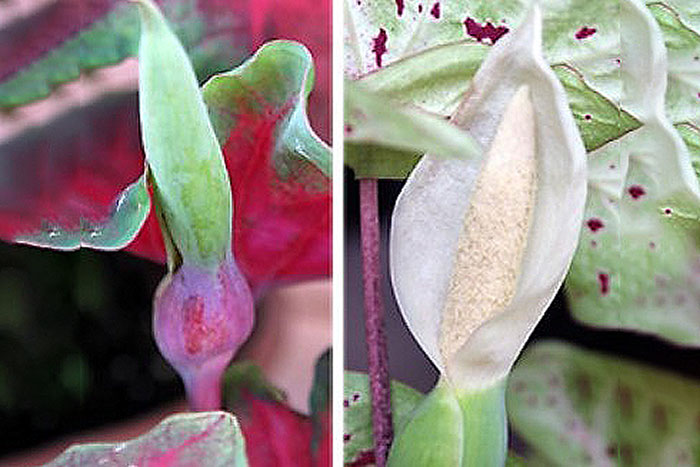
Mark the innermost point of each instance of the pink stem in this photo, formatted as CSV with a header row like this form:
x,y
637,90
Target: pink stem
x,y
203,385
374,322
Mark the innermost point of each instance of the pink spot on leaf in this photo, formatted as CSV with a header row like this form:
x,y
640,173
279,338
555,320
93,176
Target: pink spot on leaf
x,y
420,8
435,11
399,7
595,224
604,281
485,31
379,46
584,32
636,191
587,117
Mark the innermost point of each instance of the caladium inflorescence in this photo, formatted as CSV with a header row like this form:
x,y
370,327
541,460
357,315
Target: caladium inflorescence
x,y
204,306
203,309
479,248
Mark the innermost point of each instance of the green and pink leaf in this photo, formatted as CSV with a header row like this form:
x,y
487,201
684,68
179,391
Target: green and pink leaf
x,y
179,440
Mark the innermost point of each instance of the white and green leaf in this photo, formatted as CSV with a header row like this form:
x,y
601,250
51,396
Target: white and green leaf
x,y
382,136
574,407
637,266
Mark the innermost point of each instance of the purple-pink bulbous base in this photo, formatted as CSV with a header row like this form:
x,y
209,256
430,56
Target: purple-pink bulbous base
x,y
201,318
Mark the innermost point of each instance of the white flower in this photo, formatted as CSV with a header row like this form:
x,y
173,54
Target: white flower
x,y
478,249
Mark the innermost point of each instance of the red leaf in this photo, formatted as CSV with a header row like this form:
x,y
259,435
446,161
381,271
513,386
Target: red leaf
x,y
323,457
275,435
76,166
29,39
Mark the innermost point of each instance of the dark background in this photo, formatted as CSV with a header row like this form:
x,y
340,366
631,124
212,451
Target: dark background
x,y
76,350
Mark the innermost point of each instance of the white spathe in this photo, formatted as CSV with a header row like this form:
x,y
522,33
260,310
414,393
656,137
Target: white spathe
x,y
429,214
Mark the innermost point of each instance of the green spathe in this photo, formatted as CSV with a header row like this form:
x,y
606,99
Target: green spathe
x,y
485,426
455,428
433,436
187,168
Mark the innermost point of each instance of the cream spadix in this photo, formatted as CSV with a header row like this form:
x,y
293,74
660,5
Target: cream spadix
x,y
479,249
494,232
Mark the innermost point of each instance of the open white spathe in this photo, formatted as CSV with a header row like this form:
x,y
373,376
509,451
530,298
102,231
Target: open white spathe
x,y
429,215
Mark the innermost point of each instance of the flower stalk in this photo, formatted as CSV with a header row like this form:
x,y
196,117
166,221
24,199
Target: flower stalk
x,y
375,339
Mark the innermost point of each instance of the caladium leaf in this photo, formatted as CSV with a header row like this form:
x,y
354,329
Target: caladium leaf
x,y
282,437
580,33
36,207
434,79
277,164
638,257
599,120
401,133
126,217
357,420
421,63
66,193
321,416
61,41
275,434
691,137
683,46
576,407
206,438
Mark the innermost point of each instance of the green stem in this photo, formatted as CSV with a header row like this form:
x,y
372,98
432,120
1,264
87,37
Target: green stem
x,y
433,435
485,426
455,428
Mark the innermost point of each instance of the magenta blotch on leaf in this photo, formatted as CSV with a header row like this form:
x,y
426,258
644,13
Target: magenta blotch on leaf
x,y
379,46
584,32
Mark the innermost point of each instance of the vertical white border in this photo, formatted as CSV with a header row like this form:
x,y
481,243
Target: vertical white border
x,y
338,299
